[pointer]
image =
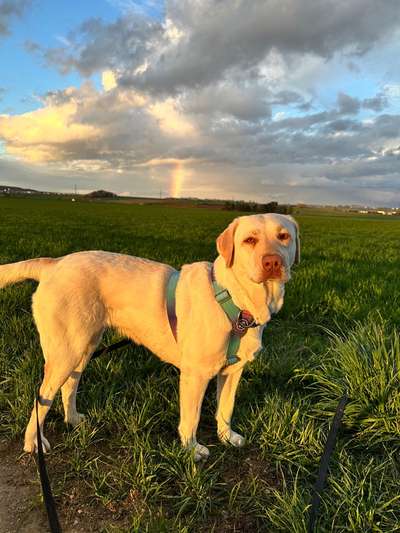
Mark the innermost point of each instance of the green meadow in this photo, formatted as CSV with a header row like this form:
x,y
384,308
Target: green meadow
x,y
123,468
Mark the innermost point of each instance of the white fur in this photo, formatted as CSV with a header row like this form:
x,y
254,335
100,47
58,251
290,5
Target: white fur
x,y
81,294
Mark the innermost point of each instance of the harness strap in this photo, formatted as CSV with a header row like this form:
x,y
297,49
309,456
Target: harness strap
x,y
232,311
240,320
171,307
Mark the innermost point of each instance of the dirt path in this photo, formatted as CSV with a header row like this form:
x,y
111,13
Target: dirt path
x,y
20,505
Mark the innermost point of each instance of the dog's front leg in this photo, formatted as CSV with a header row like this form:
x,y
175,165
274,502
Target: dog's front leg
x,y
191,391
226,391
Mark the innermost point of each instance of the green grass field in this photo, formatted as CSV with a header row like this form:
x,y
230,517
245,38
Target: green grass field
x,y
124,466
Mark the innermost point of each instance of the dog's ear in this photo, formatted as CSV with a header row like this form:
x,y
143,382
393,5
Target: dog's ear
x,y
225,243
297,254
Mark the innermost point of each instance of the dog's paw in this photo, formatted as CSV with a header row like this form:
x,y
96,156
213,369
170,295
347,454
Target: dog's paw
x,y
236,439
200,452
231,437
74,419
31,445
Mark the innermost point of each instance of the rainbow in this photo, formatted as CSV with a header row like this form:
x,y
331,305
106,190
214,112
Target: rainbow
x,y
179,171
178,175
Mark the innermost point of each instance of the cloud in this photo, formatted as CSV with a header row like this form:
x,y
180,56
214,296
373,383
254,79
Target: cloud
x,y
229,99
241,37
193,153
347,104
97,46
392,90
40,135
376,103
170,120
108,80
51,177
143,8
192,49
8,10
92,130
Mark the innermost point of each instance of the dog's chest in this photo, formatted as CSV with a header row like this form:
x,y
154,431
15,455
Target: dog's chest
x,y
251,344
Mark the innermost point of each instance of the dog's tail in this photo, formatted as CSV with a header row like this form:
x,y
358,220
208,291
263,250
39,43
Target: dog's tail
x,y
31,269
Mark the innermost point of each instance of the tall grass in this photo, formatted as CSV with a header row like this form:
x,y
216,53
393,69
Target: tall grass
x,y
364,362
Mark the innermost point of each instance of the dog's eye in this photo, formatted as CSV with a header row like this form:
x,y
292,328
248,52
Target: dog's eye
x,y
283,236
250,240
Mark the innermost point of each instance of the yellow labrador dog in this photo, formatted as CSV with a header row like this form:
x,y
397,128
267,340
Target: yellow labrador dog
x,y
83,293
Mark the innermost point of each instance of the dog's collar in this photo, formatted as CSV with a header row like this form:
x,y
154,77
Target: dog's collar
x,y
241,320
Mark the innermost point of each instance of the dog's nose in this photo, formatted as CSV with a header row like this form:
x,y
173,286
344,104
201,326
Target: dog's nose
x,y
272,265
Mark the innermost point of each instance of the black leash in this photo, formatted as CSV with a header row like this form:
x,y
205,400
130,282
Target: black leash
x,y
44,479
41,463
108,349
324,463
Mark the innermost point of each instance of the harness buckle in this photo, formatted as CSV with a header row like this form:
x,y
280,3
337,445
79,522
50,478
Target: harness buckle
x,y
243,322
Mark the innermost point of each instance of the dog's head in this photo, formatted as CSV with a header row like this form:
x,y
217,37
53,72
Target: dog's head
x,y
262,247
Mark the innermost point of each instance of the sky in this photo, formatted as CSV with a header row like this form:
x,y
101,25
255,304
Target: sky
x,y
262,100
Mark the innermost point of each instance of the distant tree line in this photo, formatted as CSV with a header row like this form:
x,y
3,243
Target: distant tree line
x,y
254,207
101,194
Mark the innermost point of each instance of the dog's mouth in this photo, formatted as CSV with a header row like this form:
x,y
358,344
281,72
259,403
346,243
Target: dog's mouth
x,y
274,276
283,277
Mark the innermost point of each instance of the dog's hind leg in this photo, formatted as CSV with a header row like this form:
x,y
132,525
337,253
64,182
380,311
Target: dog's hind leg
x,y
67,345
70,387
63,369
55,375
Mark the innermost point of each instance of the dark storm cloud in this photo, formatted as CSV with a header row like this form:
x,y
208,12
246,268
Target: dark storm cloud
x,y
387,126
10,9
96,45
377,103
240,36
347,104
249,103
236,37
304,122
287,97
326,140
342,124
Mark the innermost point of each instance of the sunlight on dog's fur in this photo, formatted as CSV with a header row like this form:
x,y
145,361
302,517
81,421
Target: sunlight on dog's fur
x,y
81,294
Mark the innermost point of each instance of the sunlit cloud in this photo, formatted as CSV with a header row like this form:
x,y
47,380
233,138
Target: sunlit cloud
x,y
108,80
171,120
35,136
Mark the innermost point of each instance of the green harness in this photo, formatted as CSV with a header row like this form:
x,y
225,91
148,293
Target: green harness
x,y
240,320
